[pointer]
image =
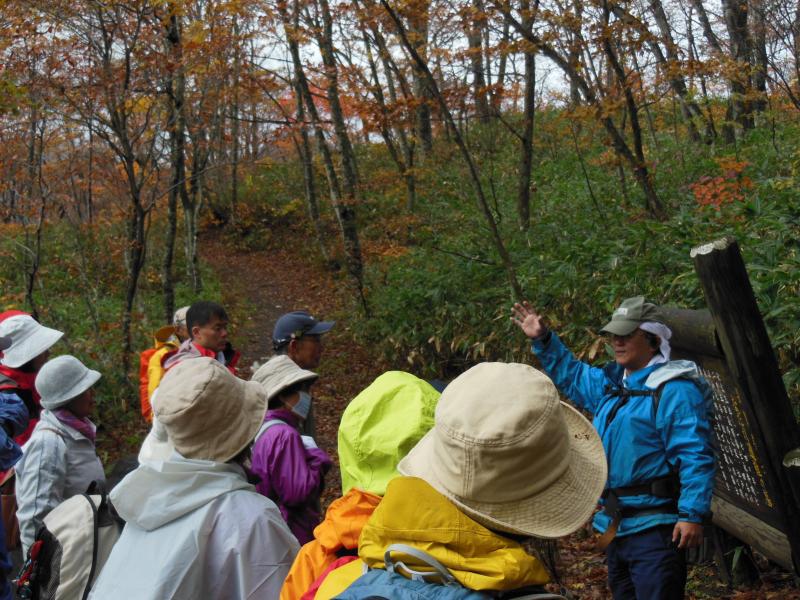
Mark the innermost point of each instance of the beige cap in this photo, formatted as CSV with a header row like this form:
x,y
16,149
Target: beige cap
x,y
179,318
279,373
209,413
509,454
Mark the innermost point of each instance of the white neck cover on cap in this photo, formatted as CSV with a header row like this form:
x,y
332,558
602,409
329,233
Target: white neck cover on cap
x,y
664,333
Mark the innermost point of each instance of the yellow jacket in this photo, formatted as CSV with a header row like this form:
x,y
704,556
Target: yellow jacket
x,y
415,514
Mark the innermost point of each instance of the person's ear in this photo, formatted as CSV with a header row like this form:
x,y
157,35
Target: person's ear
x,y
195,330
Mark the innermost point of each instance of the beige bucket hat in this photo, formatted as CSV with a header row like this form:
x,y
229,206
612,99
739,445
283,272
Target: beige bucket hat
x,y
209,413
279,373
510,455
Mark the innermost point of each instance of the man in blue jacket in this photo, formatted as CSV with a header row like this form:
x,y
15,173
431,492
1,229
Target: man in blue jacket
x,y
654,421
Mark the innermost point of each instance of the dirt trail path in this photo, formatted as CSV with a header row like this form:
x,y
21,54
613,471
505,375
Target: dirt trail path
x,y
258,287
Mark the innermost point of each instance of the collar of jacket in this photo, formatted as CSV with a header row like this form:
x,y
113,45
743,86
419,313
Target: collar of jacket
x,y
637,378
205,351
477,557
49,420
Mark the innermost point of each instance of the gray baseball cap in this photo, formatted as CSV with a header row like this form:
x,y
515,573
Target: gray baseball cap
x,y
631,313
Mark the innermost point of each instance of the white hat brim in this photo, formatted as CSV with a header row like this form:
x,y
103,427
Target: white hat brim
x,y
24,351
556,511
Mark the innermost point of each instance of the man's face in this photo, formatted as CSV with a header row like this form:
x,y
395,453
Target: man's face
x,y
213,335
306,351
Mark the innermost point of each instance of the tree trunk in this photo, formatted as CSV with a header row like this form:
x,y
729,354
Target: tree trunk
x,y
392,127
637,164
760,58
497,90
237,62
483,203
526,143
418,19
306,160
175,127
640,171
345,213
736,14
474,29
728,132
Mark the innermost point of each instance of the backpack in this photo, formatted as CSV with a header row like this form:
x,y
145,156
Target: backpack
x,y
389,584
70,549
162,337
144,382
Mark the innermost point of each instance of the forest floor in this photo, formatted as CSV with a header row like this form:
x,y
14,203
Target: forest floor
x,y
260,285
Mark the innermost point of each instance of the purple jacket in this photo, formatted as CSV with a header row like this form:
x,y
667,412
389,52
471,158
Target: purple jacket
x,y
291,474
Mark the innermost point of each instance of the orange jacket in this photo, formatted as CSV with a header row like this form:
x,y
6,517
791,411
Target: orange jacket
x,y
339,531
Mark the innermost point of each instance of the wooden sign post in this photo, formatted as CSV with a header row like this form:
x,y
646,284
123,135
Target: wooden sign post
x,y
756,426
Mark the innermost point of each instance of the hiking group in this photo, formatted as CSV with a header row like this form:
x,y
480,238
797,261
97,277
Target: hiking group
x,y
451,493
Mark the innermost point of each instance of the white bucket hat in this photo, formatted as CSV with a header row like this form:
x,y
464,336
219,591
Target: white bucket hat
x,y
28,339
510,455
62,379
279,373
209,413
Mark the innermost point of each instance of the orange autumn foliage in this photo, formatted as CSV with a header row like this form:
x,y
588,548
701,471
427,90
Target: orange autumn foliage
x,y
723,189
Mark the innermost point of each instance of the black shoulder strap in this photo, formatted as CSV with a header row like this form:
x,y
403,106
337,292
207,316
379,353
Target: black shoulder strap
x,y
95,539
624,395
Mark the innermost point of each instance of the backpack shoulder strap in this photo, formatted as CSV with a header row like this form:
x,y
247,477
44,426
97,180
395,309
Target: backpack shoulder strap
x,y
58,432
267,425
439,570
95,535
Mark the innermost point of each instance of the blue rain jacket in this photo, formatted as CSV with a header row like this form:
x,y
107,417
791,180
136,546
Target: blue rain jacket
x,y
642,446
13,420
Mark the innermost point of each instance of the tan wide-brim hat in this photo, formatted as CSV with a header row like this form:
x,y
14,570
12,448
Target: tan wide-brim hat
x,y
281,372
507,452
208,412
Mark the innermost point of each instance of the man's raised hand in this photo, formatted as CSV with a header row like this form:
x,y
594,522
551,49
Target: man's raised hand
x,y
528,320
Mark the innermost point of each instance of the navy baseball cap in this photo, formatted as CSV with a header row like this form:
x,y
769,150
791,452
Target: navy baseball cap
x,y
296,324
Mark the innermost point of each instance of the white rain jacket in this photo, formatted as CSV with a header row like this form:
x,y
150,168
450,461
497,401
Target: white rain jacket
x,y
57,463
195,529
